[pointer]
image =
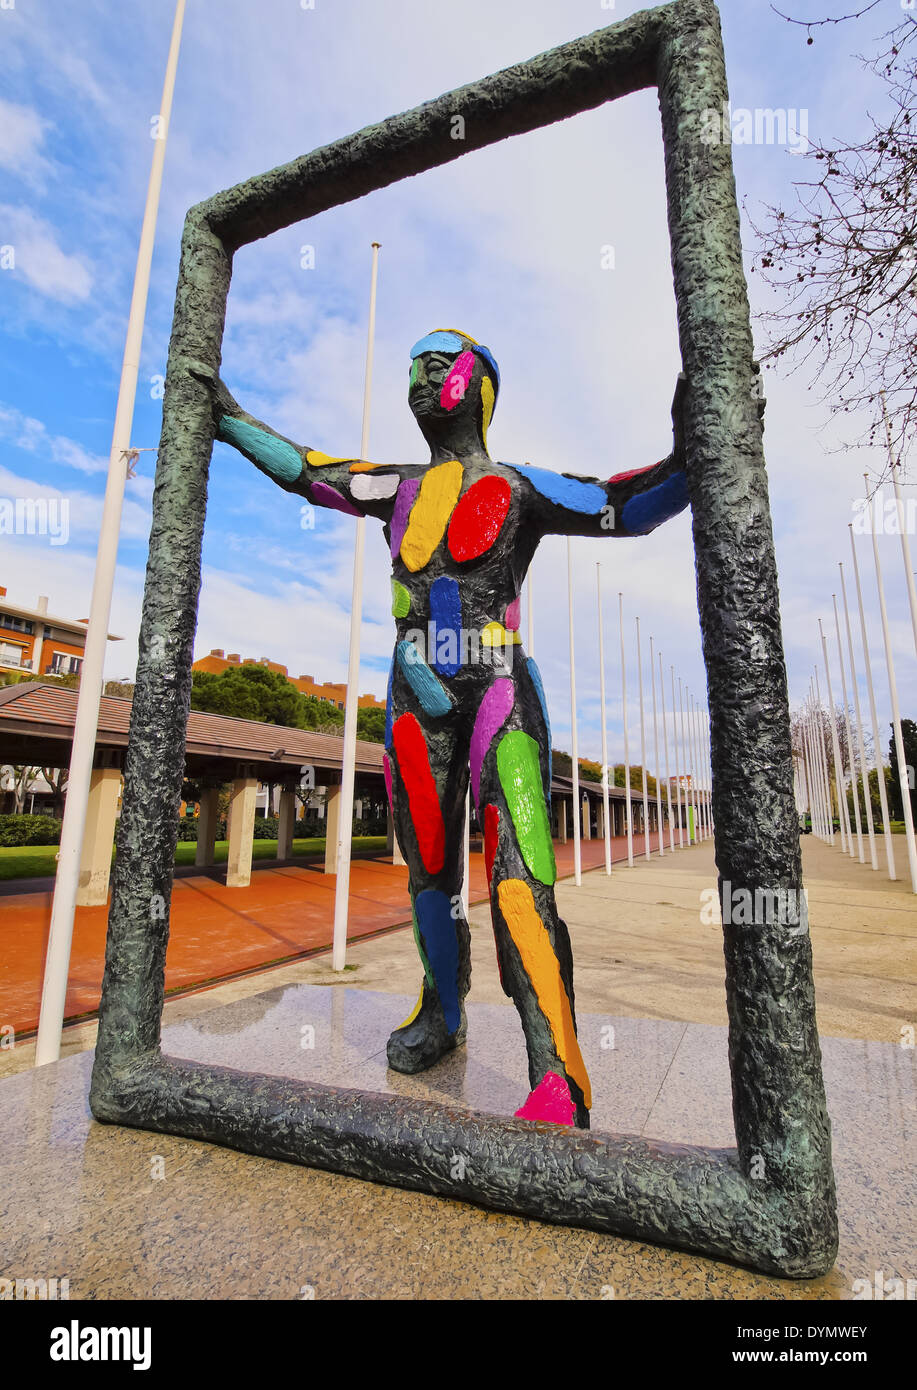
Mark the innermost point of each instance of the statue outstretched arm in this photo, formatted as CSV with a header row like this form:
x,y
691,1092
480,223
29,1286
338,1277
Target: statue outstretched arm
x,y
628,504
342,484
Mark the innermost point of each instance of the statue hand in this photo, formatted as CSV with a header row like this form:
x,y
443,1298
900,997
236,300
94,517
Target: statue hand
x,y
221,401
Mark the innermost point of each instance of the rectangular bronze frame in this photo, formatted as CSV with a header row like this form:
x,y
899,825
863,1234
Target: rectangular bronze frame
x,y
770,1202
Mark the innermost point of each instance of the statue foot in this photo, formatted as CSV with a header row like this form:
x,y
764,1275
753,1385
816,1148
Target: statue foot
x,y
424,1039
552,1103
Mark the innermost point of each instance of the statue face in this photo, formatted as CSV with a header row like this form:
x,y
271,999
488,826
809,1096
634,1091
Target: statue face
x,y
444,385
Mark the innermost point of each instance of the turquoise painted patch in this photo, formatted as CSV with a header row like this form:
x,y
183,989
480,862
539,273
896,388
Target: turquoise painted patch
x,y
520,778
428,688
573,493
274,455
539,691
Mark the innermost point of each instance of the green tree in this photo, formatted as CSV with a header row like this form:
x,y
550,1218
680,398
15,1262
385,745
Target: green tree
x,y
371,725
909,739
249,692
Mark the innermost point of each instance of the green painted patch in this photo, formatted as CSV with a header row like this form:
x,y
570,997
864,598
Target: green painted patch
x,y
401,600
520,778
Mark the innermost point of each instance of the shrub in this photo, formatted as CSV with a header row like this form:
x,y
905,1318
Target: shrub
x,y
29,830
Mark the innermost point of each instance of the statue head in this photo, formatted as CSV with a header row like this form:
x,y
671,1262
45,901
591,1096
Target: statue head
x,y
453,389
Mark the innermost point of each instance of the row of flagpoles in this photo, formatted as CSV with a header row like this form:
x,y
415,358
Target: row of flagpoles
x,y
813,764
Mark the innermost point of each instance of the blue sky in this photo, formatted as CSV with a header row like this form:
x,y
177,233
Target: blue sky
x,y
505,244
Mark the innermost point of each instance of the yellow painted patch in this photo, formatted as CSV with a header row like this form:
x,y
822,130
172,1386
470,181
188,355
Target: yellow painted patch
x,y
487,405
317,459
496,635
430,514
414,1012
361,466
540,963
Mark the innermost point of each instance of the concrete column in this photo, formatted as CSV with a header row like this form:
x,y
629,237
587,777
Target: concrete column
x,y
587,819
98,837
207,819
286,825
600,820
391,841
332,821
240,831
563,822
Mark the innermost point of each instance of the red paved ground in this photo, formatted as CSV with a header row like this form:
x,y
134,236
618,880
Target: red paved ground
x,y
218,932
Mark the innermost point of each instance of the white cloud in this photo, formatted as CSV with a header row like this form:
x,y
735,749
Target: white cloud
x,y
22,132
33,436
40,260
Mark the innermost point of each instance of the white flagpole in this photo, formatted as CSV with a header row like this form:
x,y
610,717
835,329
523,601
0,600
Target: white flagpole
x,y
659,821
902,522
630,823
665,742
345,818
877,752
646,805
835,746
851,758
823,752
810,770
605,796
702,773
893,694
577,807
864,770
678,775
60,936
695,795
686,758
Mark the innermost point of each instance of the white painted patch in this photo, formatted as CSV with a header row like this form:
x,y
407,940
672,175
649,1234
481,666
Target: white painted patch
x,y
373,487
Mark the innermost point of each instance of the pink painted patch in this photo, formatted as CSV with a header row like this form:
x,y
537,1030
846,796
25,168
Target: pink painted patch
x,y
493,712
513,614
550,1102
387,770
456,382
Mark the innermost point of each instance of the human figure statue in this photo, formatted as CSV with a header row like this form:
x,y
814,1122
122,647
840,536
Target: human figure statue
x,y
464,702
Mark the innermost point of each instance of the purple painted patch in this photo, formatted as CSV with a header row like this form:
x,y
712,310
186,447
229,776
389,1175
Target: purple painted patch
x,y
494,710
387,769
513,614
327,496
402,510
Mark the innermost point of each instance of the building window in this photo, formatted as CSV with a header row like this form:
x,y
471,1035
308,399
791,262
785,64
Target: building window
x,y
16,624
11,655
63,664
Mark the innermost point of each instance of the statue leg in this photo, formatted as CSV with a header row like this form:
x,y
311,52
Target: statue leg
x,y
428,763
533,945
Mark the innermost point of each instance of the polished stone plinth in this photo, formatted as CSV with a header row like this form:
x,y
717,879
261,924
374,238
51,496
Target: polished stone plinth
x,y
131,1214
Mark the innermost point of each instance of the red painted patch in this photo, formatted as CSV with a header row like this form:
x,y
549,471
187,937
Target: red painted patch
x,y
550,1102
423,799
634,473
477,518
491,826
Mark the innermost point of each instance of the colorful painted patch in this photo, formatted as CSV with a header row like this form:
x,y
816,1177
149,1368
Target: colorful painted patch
x,y
493,712
496,635
316,459
648,510
437,929
540,964
402,510
388,705
275,456
326,496
632,473
423,798
535,675
478,517
413,1014
364,466
520,777
387,774
550,1102
574,494
401,600
446,615
487,406
374,487
438,494
456,383
430,691
491,831
513,614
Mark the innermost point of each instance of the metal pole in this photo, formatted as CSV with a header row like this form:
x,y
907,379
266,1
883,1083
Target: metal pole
x,y
823,751
686,756
345,818
864,771
605,798
646,804
896,718
835,746
665,742
678,776
880,766
630,823
60,935
656,757
577,808
902,523
850,754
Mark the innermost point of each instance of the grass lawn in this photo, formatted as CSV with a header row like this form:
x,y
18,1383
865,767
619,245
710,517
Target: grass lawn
x,y
38,861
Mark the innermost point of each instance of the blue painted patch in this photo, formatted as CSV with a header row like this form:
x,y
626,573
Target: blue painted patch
x,y
437,928
428,689
446,616
274,455
539,691
650,509
388,706
445,341
572,493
